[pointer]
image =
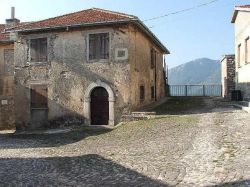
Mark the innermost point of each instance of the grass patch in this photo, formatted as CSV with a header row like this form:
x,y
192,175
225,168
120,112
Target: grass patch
x,y
179,105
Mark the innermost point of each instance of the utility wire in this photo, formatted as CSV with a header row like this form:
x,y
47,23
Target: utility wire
x,y
183,10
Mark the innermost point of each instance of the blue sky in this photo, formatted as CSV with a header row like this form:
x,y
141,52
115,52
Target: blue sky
x,y
204,32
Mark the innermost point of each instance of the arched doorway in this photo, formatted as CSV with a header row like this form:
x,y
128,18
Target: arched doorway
x,y
87,102
99,106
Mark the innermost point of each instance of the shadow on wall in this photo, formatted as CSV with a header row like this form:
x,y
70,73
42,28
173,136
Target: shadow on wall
x,y
245,89
61,88
87,170
23,141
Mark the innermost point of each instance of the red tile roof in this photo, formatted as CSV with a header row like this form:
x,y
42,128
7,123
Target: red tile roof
x,y
93,15
3,36
243,6
237,9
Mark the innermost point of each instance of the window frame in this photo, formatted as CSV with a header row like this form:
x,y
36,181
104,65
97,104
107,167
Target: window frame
x,y
152,92
47,50
152,58
88,46
142,93
239,55
247,50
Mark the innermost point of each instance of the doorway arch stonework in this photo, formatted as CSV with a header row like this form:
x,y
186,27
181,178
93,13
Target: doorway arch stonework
x,y
87,100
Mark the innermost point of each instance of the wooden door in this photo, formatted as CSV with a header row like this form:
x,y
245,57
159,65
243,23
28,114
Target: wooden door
x,y
99,106
39,106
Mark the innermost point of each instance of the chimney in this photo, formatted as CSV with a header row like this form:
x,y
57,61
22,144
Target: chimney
x,y
12,12
12,21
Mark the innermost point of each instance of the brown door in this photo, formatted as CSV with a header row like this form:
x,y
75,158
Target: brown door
x,y
39,106
99,106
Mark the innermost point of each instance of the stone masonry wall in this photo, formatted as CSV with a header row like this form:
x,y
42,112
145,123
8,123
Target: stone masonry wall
x,y
7,118
228,75
68,73
141,71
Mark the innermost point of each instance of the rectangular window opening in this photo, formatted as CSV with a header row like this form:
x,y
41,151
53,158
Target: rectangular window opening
x,y
152,58
247,51
239,55
38,50
98,46
142,93
152,92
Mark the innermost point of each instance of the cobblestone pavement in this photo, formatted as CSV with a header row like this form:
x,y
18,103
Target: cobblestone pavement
x,y
208,146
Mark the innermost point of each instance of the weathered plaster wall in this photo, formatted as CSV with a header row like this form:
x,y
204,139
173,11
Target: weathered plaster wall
x,y
141,71
7,120
242,32
68,73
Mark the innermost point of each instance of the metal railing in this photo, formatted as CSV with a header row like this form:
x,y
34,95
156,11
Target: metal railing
x,y
195,90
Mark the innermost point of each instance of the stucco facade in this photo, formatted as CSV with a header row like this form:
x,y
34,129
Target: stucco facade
x,y
241,21
70,76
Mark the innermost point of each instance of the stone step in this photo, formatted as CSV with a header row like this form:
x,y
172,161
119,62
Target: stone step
x,y
245,103
247,109
135,116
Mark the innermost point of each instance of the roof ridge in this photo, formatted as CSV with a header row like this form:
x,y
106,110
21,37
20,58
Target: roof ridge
x,y
67,14
98,9
114,12
242,6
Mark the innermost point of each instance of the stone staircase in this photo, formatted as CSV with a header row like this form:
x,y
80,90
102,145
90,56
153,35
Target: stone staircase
x,y
244,105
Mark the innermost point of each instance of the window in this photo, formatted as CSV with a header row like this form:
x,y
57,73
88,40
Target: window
x,y
152,92
39,94
1,86
38,50
98,46
239,55
152,58
142,93
246,50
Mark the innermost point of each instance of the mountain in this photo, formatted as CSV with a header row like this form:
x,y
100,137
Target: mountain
x,y
199,71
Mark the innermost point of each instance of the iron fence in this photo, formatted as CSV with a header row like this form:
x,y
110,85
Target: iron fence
x,y
195,90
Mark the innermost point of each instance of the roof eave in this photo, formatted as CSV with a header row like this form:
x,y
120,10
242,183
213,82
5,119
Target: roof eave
x,y
67,26
234,16
134,20
236,11
6,42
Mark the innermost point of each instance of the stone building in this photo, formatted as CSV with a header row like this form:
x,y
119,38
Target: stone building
x,y
7,119
228,75
241,20
90,67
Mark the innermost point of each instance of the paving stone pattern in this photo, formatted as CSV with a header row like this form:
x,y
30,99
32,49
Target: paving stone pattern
x,y
206,147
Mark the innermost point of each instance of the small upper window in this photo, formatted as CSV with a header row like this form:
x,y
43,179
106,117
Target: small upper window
x,y
38,50
247,50
152,58
98,46
142,93
152,92
239,55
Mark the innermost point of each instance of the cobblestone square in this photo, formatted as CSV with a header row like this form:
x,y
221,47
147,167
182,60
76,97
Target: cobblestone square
x,y
196,142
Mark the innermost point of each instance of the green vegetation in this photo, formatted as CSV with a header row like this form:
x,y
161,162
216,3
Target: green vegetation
x,y
180,105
